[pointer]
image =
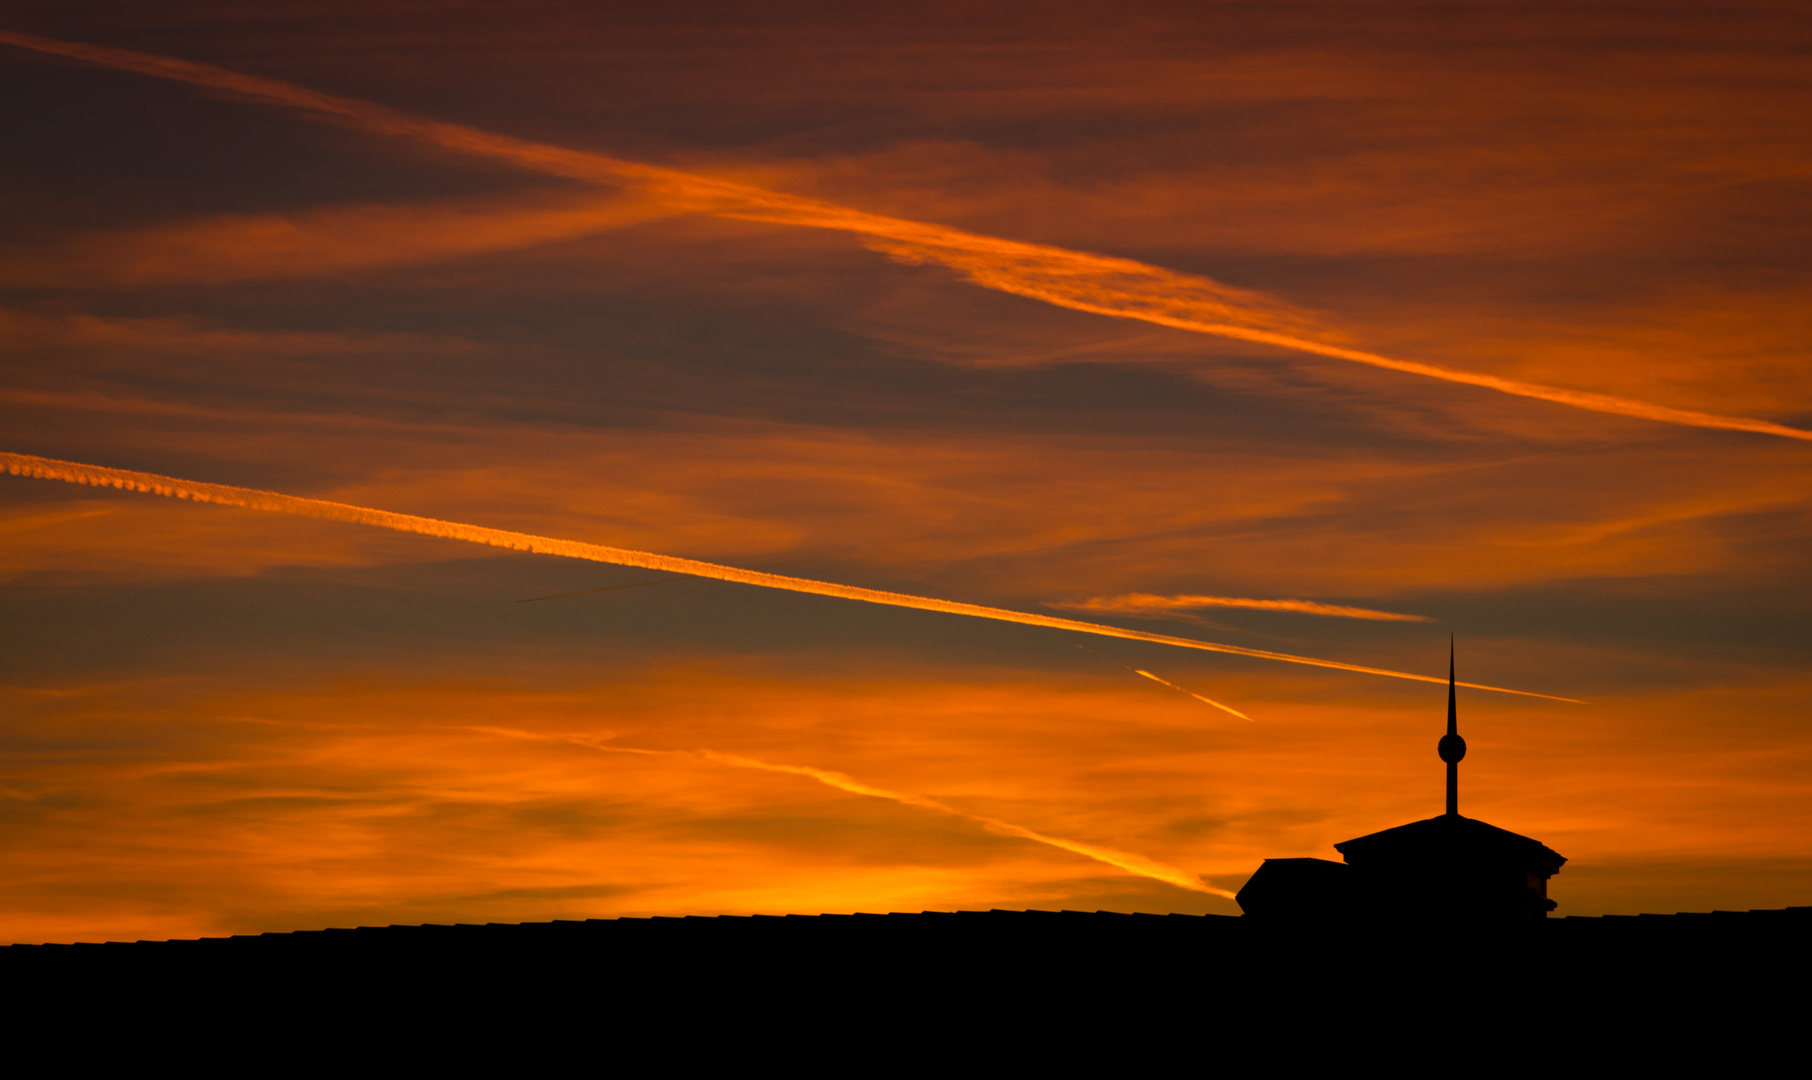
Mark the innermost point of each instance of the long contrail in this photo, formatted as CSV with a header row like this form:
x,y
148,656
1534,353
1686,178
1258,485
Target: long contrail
x,y
1124,860
71,472
1104,285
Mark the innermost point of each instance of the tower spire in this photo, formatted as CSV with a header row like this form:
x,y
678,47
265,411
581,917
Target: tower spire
x,y
1452,748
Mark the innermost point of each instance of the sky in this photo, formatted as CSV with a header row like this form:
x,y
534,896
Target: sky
x,y
1329,330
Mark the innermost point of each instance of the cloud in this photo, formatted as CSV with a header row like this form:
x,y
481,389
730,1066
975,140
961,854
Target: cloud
x,y
275,794
384,801
319,242
943,511
244,755
1116,287
1123,860
1151,605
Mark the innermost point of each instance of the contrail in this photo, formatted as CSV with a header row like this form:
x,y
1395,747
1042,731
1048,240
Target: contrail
x,y
1124,860
1192,693
252,499
1104,285
1152,604
1167,682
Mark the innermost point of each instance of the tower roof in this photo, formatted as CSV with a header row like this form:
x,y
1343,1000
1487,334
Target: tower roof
x,y
1447,838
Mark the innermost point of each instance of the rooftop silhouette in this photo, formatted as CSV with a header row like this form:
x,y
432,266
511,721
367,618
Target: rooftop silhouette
x,y
1446,869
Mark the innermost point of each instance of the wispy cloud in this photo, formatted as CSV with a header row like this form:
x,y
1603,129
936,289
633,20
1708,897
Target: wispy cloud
x,y
1125,860
1120,288
1151,605
324,241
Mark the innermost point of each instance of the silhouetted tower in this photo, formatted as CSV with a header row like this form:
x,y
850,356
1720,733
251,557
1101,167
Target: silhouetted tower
x,y
1452,747
1448,869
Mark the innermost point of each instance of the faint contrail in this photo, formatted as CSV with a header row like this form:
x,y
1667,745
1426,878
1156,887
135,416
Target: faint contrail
x,y
1191,693
252,499
1152,604
1121,288
1124,860
1166,682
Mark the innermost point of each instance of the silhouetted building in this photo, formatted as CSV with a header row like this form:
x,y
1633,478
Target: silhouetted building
x,y
1448,868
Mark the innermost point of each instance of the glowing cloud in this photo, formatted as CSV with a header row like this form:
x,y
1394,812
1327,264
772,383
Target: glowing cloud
x,y
252,499
325,241
1150,604
1191,693
1121,288
1123,860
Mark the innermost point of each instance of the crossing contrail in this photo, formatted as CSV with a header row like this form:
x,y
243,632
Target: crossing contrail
x,y
1191,693
1104,285
1124,860
71,472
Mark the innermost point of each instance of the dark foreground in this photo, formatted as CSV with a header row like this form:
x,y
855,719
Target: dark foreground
x,y
1085,980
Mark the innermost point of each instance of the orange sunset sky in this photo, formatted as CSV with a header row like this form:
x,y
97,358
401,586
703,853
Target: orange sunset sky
x,y
1319,329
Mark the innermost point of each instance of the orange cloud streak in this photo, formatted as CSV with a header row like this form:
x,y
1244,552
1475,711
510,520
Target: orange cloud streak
x,y
1121,288
1124,860
326,241
1150,603
252,499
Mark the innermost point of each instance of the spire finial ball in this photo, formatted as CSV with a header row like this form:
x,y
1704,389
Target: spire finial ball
x,y
1452,749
